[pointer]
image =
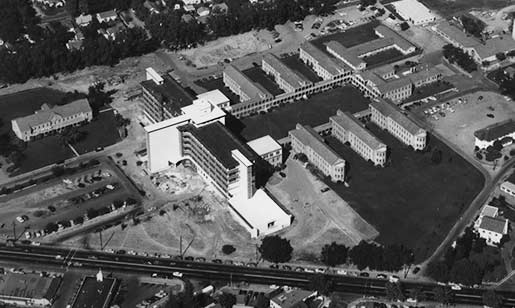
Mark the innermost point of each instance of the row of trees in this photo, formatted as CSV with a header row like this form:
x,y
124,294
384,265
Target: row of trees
x,y
459,57
469,262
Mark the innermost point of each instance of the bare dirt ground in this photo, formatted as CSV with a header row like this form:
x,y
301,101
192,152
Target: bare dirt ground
x,y
495,20
320,218
459,127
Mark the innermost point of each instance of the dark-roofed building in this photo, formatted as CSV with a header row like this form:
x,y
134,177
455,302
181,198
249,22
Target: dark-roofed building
x,y
221,158
28,290
287,79
291,298
492,229
486,137
346,128
324,65
243,86
51,119
304,139
388,116
95,293
163,97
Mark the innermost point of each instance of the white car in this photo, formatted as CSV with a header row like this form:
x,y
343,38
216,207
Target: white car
x,y
177,274
20,219
27,235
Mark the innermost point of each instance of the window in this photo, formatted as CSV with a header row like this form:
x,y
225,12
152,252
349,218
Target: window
x,y
271,224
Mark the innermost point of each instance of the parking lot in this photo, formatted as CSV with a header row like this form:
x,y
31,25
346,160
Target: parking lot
x,y
65,201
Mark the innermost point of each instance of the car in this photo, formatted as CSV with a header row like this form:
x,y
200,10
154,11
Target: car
x,y
154,275
27,235
308,270
320,270
177,274
131,252
59,257
382,276
189,258
98,149
325,189
251,264
110,250
282,174
286,267
299,269
416,270
19,219
341,272
239,263
217,261
394,278
455,286
480,98
316,25
274,266
200,259
364,274
228,262
278,40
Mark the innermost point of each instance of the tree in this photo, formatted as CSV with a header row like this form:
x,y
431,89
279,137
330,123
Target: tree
x,y
443,295
275,249
227,300
404,26
228,249
492,299
436,156
366,3
321,283
58,171
472,25
262,301
417,294
501,56
334,254
71,135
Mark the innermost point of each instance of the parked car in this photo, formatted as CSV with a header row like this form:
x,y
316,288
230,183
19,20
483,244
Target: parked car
x,y
364,274
286,267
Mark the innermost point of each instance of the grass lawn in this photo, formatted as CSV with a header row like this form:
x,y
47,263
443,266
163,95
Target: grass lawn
x,y
314,111
259,76
101,132
448,8
412,201
350,37
296,64
43,152
498,75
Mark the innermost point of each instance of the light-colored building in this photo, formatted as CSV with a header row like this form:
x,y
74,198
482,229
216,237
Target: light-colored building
x,y
291,298
508,186
83,20
492,229
243,86
268,149
389,117
502,131
287,79
478,50
414,12
28,290
215,97
304,139
346,128
191,2
51,119
325,66
106,16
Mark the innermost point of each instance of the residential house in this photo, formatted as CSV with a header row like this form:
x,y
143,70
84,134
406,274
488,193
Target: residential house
x,y
107,16
502,131
492,229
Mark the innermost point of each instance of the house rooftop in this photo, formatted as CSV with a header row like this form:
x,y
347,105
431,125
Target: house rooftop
x,y
496,131
291,298
350,123
309,137
47,113
289,76
171,93
490,211
264,145
29,286
392,111
220,142
457,34
492,224
254,90
107,14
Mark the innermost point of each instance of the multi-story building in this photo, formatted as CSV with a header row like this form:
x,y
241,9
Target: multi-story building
x,y
28,290
287,79
304,139
51,119
162,97
268,149
346,128
291,298
414,12
492,229
242,86
389,117
502,131
325,66
508,186
221,159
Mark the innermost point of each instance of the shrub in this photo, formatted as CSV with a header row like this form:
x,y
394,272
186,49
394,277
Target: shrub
x,y
228,249
479,156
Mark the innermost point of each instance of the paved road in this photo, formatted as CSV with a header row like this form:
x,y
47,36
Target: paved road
x,y
165,267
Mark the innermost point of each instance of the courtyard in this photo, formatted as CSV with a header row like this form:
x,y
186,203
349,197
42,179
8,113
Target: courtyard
x,y
412,201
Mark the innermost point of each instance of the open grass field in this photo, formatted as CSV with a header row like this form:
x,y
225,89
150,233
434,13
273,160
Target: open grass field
x,y
257,75
447,8
412,201
350,37
296,64
314,111
101,132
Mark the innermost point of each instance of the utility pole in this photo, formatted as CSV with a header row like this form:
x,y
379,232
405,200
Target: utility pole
x,y
14,231
180,245
101,244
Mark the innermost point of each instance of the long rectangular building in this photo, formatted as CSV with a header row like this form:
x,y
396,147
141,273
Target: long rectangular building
x,y
389,117
243,86
346,128
51,119
304,139
325,66
287,79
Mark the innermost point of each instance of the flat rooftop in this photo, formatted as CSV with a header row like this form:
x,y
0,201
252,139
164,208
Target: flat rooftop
x,y
219,141
264,145
28,286
94,294
174,95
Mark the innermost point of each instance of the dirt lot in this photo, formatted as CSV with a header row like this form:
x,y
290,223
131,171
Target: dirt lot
x,y
459,127
495,20
320,218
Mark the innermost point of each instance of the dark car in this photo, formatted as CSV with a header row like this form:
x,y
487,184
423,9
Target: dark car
x,y
121,252
287,267
282,174
252,264
217,261
416,270
274,266
189,258
364,274
316,25
299,269
200,259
